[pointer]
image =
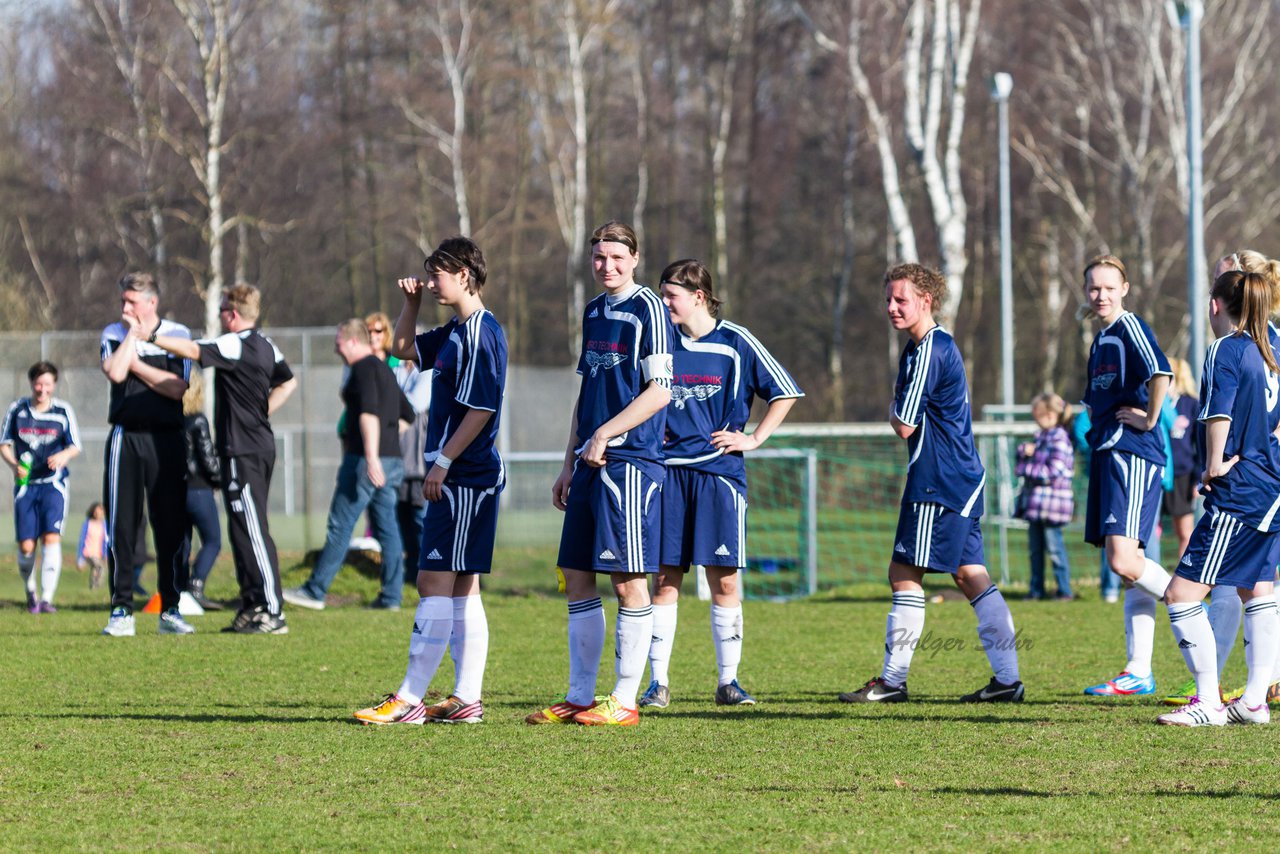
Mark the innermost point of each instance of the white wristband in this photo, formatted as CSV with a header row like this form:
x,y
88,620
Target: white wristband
x,y
443,461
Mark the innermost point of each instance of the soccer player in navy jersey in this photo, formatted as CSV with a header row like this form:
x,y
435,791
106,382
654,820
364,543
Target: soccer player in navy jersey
x,y
38,439
720,368
610,485
938,525
1128,379
1235,542
468,360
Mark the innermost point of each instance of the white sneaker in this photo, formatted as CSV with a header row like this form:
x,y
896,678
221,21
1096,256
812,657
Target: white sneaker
x,y
188,606
120,624
1239,713
171,623
298,596
1198,712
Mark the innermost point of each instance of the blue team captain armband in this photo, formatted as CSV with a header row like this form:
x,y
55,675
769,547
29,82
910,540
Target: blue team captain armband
x,y
657,369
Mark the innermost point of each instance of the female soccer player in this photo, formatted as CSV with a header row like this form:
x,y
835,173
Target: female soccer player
x,y
1128,379
938,524
610,485
720,368
1235,543
38,439
469,358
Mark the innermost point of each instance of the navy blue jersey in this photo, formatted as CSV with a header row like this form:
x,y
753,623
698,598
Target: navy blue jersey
x,y
932,395
1123,359
1236,384
469,371
133,404
41,434
714,383
626,343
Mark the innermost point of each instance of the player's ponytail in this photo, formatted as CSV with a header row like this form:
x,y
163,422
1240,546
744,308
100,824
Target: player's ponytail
x,y
1247,299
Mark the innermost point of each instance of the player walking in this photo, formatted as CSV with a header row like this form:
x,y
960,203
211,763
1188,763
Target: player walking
x,y
719,369
1128,380
938,525
610,486
1235,543
469,359
38,439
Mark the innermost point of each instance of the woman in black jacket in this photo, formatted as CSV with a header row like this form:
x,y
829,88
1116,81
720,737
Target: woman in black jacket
x,y
203,477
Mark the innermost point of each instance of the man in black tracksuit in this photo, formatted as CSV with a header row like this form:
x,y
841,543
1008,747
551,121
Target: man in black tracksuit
x,y
252,381
146,454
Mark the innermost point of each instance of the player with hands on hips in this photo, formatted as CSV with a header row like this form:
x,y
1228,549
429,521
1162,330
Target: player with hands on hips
x,y
719,370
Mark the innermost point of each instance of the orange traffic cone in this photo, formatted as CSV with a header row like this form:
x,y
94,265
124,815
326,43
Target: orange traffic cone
x,y
153,606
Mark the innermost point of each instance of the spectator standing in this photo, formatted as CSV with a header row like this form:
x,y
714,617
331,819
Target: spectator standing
x,y
370,473
203,477
1045,466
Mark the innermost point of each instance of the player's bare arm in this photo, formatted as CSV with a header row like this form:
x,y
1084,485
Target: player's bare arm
x,y
646,404
735,441
1216,431
370,429
468,429
407,323
560,489
59,460
281,393
116,366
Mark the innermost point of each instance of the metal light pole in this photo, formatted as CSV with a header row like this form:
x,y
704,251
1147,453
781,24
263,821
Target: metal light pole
x,y
1190,14
1001,86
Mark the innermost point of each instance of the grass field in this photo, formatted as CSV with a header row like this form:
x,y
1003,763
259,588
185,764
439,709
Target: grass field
x,y
219,742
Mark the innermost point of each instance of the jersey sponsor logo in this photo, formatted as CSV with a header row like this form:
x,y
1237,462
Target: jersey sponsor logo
x,y
703,391
434,554
723,551
607,554
596,361
1103,381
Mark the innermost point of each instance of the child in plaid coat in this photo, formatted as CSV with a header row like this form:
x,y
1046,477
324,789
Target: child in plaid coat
x,y
1045,467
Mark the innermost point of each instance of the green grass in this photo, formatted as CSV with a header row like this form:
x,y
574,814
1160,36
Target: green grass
x,y
216,742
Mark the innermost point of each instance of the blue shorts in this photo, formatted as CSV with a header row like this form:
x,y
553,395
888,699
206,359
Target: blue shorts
x,y
39,509
612,521
459,530
1225,551
704,519
1124,497
937,539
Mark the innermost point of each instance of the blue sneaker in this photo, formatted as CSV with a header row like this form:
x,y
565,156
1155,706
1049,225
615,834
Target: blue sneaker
x,y
656,696
1124,685
733,695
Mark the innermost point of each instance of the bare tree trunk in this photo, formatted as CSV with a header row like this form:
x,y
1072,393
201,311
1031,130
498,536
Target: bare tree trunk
x,y
720,148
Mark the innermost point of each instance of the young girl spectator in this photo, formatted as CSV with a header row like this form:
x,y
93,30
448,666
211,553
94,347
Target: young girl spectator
x,y
1046,466
92,551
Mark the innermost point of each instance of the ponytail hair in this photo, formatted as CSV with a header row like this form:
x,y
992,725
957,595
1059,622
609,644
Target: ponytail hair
x,y
1247,299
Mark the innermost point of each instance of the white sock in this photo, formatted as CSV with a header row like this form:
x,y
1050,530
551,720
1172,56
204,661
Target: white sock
x,y
432,623
1139,630
1153,581
1261,630
996,634
1224,615
1194,635
726,634
901,634
469,646
632,634
50,571
586,642
662,642
26,568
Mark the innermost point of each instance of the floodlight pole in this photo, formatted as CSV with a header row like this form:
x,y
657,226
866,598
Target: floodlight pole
x,y
1001,86
1191,13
